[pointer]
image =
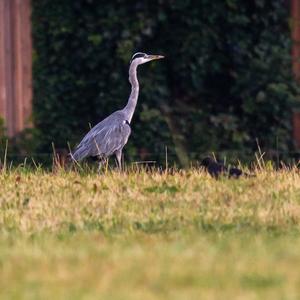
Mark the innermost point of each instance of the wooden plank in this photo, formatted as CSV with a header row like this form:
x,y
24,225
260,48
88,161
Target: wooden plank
x,y
27,63
2,64
295,14
8,44
17,67
15,64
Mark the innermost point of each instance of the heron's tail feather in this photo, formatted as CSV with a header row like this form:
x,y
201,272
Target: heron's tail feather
x,y
79,154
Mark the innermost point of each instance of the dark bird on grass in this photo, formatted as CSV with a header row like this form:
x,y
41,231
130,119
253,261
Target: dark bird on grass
x,y
216,169
110,135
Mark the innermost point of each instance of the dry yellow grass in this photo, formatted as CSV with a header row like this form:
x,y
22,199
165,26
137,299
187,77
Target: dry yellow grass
x,y
149,235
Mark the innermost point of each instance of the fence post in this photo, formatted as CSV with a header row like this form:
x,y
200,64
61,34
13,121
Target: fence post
x,y
15,64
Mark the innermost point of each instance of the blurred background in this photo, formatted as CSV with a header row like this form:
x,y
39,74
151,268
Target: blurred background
x,y
228,82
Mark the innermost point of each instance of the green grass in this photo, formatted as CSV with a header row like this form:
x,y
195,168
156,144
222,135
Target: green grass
x,y
149,236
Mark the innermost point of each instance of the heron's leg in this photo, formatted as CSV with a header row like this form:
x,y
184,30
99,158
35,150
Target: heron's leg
x,y
102,162
118,154
100,165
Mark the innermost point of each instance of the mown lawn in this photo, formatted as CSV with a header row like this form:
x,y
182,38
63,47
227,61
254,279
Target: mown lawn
x,y
149,236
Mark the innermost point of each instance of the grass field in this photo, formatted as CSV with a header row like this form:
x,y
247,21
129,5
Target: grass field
x,y
149,236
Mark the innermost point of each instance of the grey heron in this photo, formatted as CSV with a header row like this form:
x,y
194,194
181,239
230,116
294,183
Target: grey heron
x,y
109,136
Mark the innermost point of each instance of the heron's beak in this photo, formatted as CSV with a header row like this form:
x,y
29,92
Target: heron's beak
x,y
152,57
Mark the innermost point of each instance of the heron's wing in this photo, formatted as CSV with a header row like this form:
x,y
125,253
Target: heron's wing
x,y
101,126
104,139
113,139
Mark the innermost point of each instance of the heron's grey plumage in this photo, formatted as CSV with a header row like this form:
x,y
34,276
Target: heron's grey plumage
x,y
105,138
110,135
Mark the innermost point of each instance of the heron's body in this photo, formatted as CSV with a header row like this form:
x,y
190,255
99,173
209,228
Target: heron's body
x,y
110,135
106,138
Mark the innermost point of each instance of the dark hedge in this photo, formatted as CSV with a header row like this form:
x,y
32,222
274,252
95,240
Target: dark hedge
x,y
226,80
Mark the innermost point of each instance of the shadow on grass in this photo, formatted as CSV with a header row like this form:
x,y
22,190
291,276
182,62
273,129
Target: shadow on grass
x,y
151,226
258,281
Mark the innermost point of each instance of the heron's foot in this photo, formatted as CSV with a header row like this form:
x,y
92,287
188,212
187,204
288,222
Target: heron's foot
x,y
103,165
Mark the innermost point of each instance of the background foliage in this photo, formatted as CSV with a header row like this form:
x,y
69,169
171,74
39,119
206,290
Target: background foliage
x,y
226,79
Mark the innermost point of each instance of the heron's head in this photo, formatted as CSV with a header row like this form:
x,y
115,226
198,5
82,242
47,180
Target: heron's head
x,y
141,58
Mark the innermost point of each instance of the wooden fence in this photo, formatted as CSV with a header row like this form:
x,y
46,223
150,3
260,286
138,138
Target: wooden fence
x,y
15,65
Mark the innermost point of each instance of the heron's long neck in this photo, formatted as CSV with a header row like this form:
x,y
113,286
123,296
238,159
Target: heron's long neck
x,y
130,107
